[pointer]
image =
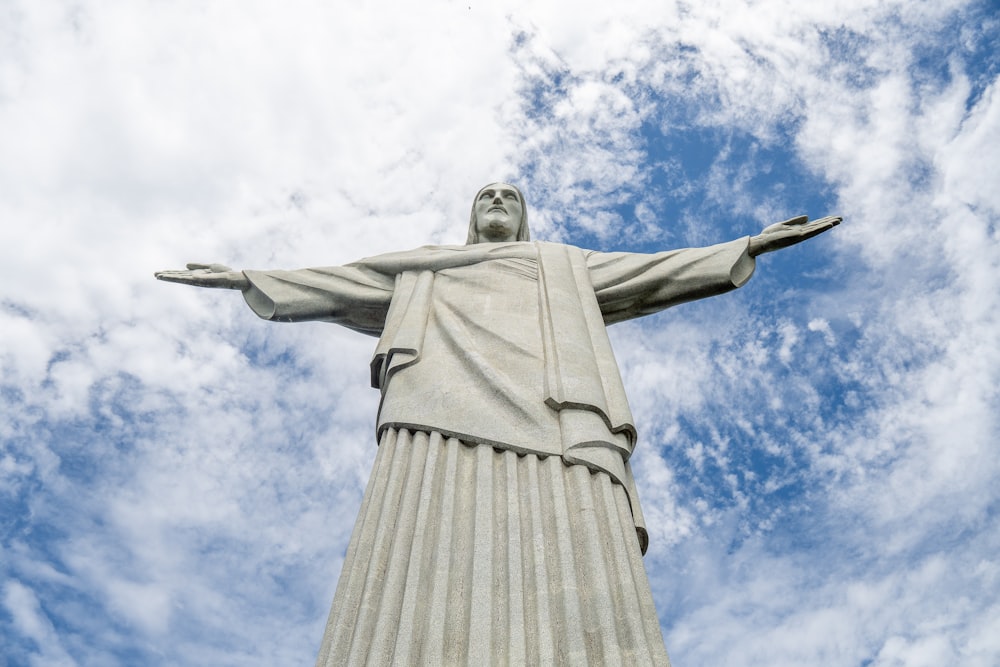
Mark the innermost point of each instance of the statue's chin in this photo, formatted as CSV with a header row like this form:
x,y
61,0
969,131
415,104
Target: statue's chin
x,y
497,232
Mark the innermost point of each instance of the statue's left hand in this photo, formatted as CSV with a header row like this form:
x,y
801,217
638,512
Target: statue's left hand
x,y
783,234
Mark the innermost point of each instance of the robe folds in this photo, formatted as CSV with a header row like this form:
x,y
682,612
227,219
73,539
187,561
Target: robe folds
x,y
498,385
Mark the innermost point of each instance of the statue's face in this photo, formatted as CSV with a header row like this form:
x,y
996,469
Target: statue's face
x,y
498,213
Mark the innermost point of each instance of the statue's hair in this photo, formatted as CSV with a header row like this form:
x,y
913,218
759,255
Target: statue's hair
x,y
522,230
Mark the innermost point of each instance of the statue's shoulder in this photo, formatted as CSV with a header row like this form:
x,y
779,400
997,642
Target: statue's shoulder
x,y
550,247
413,253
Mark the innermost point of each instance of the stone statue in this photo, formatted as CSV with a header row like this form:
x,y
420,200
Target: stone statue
x,y
500,523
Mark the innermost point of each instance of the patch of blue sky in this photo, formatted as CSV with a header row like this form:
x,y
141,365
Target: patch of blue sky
x,y
115,401
36,561
542,92
265,352
11,397
19,649
725,466
848,51
684,165
979,58
968,38
293,576
761,178
70,609
85,454
33,512
21,512
40,520
93,445
544,81
755,467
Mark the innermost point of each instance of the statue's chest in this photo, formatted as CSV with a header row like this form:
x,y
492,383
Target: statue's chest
x,y
492,300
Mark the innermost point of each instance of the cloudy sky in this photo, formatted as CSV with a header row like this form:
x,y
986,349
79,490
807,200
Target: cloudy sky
x,y
817,461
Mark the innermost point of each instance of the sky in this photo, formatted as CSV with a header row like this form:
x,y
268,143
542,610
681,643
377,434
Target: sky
x,y
817,461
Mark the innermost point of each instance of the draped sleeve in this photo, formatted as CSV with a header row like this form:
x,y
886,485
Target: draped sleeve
x,y
629,285
355,296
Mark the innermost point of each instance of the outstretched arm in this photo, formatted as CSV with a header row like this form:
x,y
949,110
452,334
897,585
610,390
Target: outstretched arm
x,y
633,284
207,275
783,234
354,296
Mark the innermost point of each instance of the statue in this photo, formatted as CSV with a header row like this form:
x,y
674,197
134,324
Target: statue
x,y
501,522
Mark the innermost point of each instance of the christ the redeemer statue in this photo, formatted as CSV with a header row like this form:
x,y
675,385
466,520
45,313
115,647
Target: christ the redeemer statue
x,y
500,524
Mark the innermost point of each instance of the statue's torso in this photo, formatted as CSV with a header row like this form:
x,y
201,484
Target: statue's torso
x,y
481,371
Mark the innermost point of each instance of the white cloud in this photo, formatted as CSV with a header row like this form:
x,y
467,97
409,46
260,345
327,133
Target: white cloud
x,y
31,622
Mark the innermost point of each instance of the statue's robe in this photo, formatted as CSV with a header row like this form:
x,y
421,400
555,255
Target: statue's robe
x,y
501,522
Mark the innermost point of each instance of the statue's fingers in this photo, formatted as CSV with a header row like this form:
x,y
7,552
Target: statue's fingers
x,y
817,227
826,224
797,220
194,265
172,276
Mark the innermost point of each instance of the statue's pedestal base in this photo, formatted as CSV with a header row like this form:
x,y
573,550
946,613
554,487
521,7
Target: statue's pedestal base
x,y
465,554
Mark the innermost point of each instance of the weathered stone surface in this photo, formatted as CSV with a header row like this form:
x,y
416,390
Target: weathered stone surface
x,y
501,522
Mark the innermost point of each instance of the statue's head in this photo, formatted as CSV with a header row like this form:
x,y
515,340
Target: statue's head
x,y
498,214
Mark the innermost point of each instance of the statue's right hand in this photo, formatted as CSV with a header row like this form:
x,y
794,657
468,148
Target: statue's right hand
x,y
206,275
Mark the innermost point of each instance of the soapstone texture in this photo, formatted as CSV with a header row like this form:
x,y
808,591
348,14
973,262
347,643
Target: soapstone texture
x,y
501,523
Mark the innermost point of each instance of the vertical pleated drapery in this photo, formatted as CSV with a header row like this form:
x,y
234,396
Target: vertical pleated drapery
x,y
499,525
464,554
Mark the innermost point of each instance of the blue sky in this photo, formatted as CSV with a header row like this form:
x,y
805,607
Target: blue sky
x,y
817,460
